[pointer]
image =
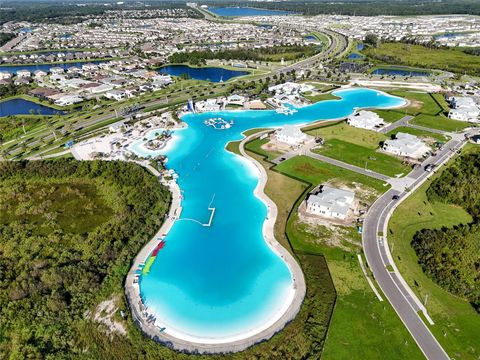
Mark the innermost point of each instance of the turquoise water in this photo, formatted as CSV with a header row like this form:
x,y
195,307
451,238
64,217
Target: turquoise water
x,y
223,280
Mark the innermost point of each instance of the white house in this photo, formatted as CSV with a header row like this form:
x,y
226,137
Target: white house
x,y
365,120
464,114
23,73
290,88
236,100
39,74
291,135
208,105
67,100
57,70
330,202
464,108
115,94
406,145
4,75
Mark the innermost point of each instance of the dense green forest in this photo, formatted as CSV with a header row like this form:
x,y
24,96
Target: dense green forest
x,y
363,8
6,37
451,257
274,53
51,11
68,233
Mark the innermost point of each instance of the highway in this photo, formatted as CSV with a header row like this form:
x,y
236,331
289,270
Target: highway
x,y
379,259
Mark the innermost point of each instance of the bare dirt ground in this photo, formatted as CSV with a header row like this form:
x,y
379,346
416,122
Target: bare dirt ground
x,y
104,314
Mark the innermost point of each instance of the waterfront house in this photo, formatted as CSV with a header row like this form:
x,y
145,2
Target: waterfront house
x,y
23,74
291,135
366,120
67,100
39,74
5,75
330,202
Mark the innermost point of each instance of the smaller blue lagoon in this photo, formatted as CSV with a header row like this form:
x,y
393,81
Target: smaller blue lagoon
x,y
25,107
355,56
400,72
213,74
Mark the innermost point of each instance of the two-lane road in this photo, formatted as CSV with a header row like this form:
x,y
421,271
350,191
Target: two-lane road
x,y
378,256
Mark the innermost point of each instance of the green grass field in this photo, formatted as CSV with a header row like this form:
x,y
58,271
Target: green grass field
x,y
390,116
453,59
321,97
363,157
357,147
360,325
316,172
419,133
420,102
456,322
256,147
439,122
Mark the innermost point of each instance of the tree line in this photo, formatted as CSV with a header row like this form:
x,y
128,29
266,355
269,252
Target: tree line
x,y
274,53
451,257
363,8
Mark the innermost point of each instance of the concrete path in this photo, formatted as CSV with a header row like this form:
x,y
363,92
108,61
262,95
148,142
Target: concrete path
x,y
395,125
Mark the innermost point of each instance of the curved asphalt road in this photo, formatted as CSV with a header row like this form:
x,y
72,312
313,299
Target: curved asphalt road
x,y
378,256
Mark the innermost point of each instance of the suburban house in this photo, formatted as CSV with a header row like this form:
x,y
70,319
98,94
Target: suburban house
x,y
67,100
291,135
116,94
464,108
406,145
5,75
365,120
235,100
330,202
208,105
39,73
23,73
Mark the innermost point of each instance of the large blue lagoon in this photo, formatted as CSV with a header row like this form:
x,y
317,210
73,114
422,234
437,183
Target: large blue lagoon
x,y
223,282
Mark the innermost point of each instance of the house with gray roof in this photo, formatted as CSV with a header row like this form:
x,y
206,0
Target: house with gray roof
x,y
330,202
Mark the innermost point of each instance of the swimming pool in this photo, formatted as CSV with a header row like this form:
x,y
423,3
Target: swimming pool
x,y
222,283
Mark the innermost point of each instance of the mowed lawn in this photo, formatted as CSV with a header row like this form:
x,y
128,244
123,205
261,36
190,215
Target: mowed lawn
x,y
456,322
453,59
420,102
419,133
316,172
358,147
361,327
390,116
256,147
439,122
